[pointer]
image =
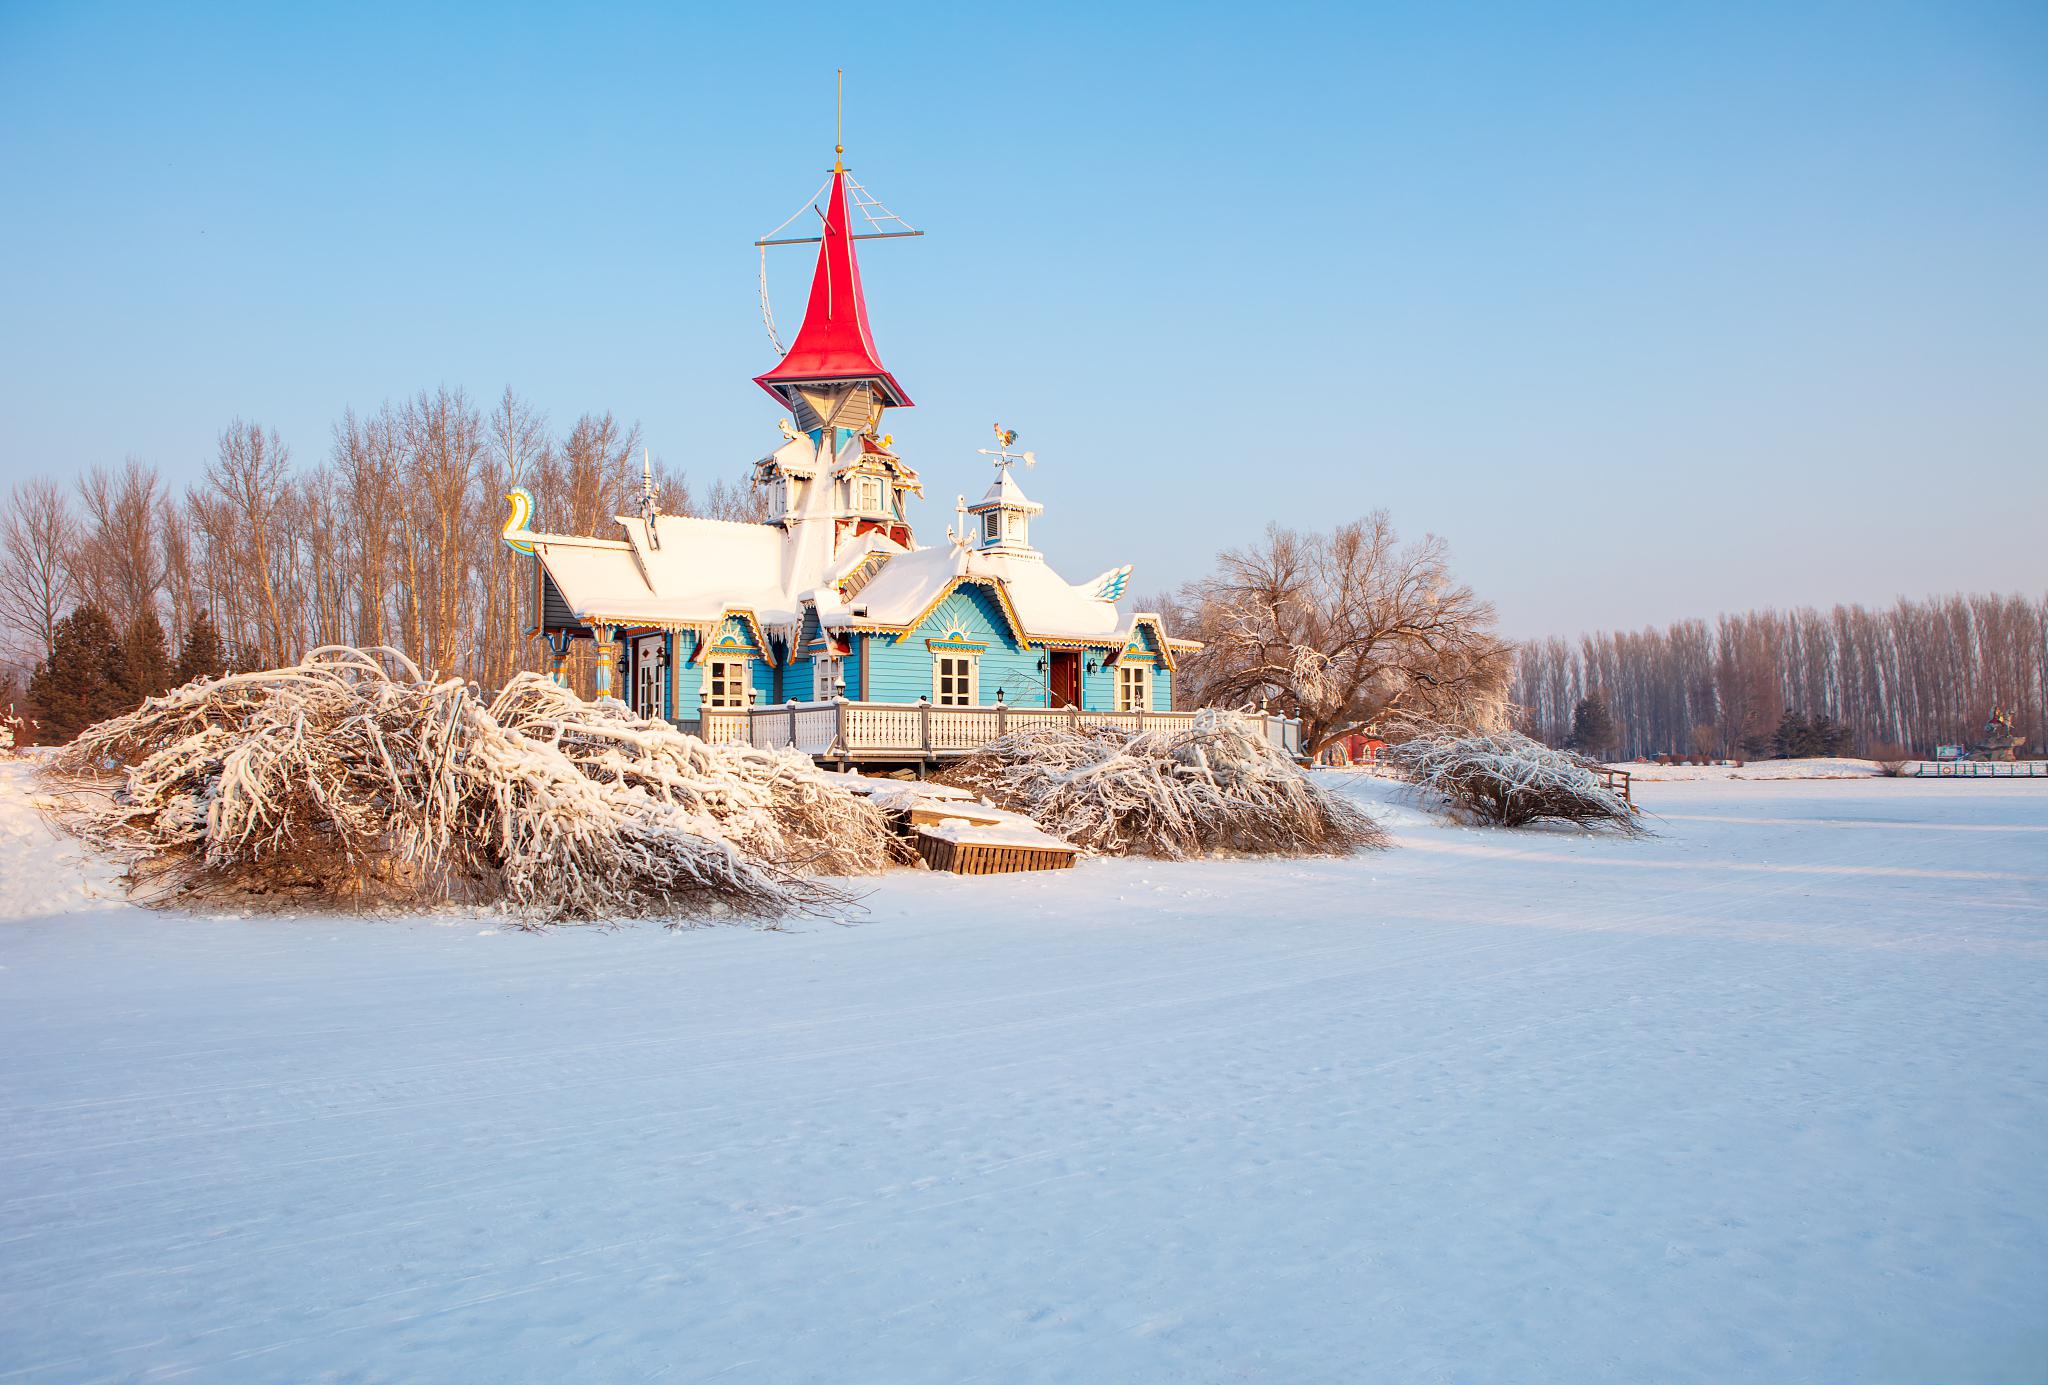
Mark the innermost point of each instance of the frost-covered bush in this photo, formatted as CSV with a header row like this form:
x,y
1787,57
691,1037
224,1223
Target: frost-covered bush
x,y
1510,780
350,776
1218,787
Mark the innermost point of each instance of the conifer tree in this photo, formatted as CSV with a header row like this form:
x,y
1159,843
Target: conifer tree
x,y
1826,736
200,653
80,683
1592,726
145,670
1793,740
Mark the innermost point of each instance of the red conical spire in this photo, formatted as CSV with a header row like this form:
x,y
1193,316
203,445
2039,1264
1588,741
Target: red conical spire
x,y
834,346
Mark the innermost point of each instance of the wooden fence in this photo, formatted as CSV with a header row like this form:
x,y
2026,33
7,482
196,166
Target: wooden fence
x,y
917,732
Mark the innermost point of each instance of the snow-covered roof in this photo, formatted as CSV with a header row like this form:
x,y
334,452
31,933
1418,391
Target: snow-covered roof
x,y
910,584
1004,491
702,569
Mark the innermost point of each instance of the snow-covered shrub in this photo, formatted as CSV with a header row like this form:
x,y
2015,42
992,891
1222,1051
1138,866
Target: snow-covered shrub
x,y
352,776
1510,780
1218,787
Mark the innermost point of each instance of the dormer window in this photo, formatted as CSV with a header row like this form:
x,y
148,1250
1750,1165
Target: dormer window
x,y
869,493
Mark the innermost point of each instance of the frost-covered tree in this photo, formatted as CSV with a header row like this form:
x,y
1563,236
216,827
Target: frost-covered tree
x,y
1343,629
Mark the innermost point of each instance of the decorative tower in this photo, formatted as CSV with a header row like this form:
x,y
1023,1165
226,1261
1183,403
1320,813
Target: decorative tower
x,y
836,387
832,375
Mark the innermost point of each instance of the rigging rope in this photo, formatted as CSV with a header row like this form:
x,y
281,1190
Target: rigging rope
x,y
867,203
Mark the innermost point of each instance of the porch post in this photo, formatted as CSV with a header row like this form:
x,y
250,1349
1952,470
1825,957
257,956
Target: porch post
x,y
606,655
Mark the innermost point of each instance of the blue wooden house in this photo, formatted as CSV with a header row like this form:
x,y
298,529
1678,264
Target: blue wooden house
x,y
829,626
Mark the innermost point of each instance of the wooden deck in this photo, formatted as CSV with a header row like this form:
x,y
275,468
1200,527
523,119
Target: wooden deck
x,y
1977,769
912,733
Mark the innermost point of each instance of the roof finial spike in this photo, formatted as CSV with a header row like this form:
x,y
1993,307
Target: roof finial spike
x,y
839,126
650,497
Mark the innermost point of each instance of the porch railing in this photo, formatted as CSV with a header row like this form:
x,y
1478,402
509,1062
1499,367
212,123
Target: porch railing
x,y
921,731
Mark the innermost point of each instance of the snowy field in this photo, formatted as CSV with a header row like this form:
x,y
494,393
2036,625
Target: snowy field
x,y
1764,1098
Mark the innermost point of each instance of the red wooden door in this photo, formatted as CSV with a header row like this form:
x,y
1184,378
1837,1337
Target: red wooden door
x,y
1066,678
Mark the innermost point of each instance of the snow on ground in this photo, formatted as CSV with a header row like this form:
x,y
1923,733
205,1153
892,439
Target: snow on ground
x,y
1819,767
44,871
1762,1098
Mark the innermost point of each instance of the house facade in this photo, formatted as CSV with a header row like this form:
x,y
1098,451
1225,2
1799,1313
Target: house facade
x,y
833,600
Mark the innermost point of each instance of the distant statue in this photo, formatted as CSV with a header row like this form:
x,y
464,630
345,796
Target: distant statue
x,y
2000,741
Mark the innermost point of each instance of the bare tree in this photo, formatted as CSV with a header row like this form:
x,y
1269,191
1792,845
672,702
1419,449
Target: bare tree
x,y
37,584
741,502
516,452
120,561
248,481
1344,630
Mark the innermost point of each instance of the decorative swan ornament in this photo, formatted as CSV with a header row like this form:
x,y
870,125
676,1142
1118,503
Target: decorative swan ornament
x,y
516,536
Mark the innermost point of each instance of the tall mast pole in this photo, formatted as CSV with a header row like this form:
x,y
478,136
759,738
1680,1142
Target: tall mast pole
x,y
839,126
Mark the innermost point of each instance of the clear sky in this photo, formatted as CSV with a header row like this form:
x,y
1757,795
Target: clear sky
x,y
1651,311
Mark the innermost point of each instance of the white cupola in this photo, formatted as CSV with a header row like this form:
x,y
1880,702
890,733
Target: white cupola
x,y
1000,522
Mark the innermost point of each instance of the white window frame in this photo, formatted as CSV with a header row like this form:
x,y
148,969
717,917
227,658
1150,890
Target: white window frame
x,y
824,679
944,696
727,683
867,492
1134,687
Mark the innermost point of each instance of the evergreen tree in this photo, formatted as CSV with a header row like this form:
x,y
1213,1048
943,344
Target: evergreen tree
x,y
145,658
1828,736
201,653
1592,726
1793,740
80,683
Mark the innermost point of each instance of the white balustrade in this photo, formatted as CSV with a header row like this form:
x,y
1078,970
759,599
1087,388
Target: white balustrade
x,y
876,730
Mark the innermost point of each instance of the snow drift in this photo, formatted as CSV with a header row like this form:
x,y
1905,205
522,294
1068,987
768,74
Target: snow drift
x,y
351,776
1218,787
1510,780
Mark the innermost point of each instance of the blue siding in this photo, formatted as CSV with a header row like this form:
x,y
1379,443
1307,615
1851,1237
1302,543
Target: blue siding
x,y
688,693
901,670
850,666
1098,689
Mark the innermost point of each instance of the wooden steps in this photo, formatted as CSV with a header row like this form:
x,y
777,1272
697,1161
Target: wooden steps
x,y
954,832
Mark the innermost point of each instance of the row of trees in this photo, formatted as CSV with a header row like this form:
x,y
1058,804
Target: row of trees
x,y
390,538
1915,675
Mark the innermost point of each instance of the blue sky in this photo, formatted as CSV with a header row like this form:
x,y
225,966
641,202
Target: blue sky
x,y
1650,311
